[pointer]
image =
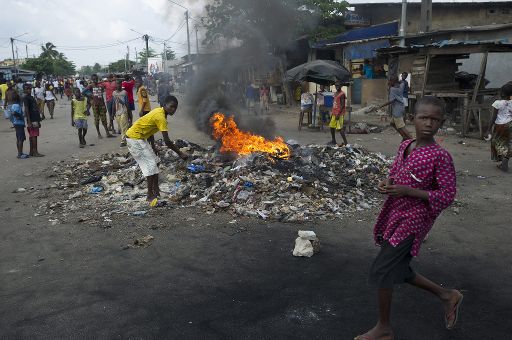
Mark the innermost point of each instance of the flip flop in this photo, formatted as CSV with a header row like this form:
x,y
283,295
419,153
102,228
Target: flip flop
x,y
367,337
454,311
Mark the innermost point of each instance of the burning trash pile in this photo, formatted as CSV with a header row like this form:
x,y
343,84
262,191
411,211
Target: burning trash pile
x,y
256,178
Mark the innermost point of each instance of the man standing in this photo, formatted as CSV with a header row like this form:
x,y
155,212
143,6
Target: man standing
x,y
110,87
338,115
141,143
38,92
97,103
405,87
33,119
128,85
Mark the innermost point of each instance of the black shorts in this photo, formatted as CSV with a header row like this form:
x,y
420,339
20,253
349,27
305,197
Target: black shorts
x,y
392,264
20,133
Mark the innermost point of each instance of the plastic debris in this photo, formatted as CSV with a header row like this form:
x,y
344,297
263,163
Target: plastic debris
x,y
316,182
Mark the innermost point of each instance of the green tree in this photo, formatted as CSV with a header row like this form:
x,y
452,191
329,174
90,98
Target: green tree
x,y
169,54
143,55
119,66
50,52
96,68
50,62
277,21
86,70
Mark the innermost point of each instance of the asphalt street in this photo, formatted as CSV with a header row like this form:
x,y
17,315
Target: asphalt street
x,y
220,277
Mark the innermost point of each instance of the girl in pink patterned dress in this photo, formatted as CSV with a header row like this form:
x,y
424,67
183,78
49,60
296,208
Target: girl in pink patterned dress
x,y
421,184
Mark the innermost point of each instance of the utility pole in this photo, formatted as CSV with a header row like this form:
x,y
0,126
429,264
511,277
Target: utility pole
x,y
13,59
127,62
426,16
403,22
188,37
26,50
146,37
197,42
136,56
164,57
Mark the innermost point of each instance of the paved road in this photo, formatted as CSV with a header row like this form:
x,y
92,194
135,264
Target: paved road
x,y
205,278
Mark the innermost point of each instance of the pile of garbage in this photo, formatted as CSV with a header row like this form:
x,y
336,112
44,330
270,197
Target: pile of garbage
x,y
316,182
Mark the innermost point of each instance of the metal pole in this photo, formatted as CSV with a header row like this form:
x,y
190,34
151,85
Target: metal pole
x,y
26,50
164,55
403,22
146,37
197,42
13,59
188,36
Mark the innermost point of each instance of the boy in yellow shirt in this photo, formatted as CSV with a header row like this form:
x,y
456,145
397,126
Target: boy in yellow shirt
x,y
79,112
141,143
142,98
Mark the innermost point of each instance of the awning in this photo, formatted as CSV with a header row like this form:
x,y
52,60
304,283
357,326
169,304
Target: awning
x,y
389,29
365,50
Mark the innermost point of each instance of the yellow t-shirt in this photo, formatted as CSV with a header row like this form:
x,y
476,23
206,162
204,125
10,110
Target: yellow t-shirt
x,y
143,99
3,88
79,108
148,125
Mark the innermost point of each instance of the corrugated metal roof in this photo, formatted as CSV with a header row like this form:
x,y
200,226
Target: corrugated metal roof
x,y
396,2
446,44
381,31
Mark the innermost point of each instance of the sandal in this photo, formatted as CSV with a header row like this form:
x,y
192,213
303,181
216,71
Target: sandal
x,y
455,313
23,156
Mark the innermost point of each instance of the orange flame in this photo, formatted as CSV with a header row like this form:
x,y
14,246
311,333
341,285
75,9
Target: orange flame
x,y
244,143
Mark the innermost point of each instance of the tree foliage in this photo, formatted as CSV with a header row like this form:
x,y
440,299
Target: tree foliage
x,y
143,55
169,54
119,66
50,62
276,21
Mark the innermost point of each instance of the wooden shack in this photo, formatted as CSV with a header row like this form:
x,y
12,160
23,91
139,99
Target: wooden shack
x,y
433,71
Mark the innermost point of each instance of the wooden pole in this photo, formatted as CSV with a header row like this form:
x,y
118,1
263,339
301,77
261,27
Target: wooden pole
x,y
473,112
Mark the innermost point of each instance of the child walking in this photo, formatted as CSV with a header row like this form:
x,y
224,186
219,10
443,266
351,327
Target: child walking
x,y
501,150
420,185
79,112
18,121
50,99
121,109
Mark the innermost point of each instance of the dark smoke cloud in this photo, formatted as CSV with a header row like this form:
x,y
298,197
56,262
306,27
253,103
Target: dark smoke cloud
x,y
217,87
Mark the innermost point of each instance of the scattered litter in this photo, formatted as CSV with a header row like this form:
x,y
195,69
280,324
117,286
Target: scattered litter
x,y
90,180
19,190
316,182
96,189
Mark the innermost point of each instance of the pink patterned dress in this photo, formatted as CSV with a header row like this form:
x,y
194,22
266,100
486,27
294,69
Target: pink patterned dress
x,y
428,168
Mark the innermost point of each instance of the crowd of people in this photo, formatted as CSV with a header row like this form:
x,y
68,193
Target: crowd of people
x,y
112,101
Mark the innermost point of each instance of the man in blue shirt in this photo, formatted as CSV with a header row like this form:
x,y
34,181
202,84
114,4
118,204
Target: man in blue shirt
x,y
396,100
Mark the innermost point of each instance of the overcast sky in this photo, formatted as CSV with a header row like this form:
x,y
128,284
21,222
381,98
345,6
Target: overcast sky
x,y
76,26
81,29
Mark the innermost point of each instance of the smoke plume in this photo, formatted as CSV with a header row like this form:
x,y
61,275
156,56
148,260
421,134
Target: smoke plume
x,y
252,41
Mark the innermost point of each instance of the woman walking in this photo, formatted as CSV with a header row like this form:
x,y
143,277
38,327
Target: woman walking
x,y
50,99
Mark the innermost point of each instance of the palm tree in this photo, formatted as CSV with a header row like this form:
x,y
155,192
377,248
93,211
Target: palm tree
x,y
49,51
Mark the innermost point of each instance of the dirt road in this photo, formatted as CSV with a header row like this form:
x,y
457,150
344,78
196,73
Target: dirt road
x,y
206,278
